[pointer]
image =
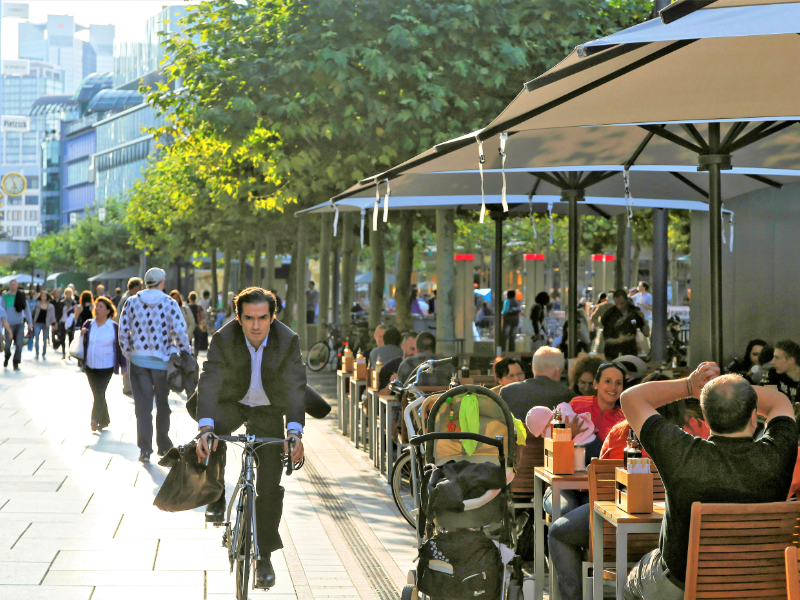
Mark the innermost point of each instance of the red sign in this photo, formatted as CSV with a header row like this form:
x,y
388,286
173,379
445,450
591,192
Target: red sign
x,y
534,257
465,257
603,257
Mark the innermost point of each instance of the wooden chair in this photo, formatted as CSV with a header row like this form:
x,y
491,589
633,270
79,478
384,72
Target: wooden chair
x,y
602,483
792,573
427,390
739,550
529,456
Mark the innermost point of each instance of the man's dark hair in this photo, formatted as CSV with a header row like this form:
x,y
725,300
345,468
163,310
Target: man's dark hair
x,y
206,294
511,294
311,283
426,342
766,355
792,349
501,367
646,285
135,282
620,293
118,291
408,334
542,298
728,403
255,295
392,337
192,296
602,296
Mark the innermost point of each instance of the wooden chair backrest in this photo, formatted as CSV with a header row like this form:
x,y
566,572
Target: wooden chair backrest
x,y
602,483
530,456
428,389
792,573
739,550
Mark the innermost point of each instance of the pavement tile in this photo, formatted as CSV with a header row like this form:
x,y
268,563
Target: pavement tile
x,y
22,573
104,560
45,592
167,592
139,579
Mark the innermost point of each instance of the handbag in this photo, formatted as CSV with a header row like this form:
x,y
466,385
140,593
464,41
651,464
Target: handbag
x,y
76,347
190,484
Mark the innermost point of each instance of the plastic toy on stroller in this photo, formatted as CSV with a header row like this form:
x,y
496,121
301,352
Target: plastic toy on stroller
x,y
465,521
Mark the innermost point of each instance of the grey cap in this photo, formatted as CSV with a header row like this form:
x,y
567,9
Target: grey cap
x,y
154,277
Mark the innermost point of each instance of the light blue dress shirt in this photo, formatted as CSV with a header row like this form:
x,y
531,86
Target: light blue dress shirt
x,y
256,396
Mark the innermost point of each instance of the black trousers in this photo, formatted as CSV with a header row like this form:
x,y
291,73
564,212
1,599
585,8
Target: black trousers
x,y
98,381
261,421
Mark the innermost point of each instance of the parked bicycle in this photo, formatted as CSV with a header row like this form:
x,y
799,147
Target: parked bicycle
x,y
240,538
326,351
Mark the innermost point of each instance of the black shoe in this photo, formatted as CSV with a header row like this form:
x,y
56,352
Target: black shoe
x,y
16,366
215,512
265,574
5,362
144,457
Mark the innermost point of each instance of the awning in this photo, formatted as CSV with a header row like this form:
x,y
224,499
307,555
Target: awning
x,y
21,278
367,278
125,273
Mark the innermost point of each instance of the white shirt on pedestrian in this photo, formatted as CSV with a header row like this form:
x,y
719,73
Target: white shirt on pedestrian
x,y
640,299
100,353
256,396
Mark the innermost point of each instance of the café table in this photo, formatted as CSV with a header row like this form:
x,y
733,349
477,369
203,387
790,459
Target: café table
x,y
578,481
343,399
625,525
358,432
386,404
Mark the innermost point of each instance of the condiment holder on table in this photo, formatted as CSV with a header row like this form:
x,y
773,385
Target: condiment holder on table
x,y
634,484
559,449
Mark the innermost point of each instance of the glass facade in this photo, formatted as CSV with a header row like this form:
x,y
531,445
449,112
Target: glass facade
x,y
126,127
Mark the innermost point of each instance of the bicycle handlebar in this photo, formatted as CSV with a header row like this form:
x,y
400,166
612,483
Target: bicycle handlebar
x,y
424,367
253,440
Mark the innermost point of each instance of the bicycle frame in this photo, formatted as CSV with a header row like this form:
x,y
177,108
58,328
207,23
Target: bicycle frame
x,y
410,409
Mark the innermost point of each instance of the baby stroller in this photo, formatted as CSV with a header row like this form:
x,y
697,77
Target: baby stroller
x,y
465,521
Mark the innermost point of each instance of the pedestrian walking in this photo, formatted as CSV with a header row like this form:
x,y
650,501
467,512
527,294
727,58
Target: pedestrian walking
x,y
510,313
200,334
31,300
44,320
151,328
117,297
85,310
17,314
102,357
188,316
58,306
135,285
312,301
65,324
101,291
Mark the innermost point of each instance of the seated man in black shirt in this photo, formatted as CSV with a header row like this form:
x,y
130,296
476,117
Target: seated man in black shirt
x,y
785,374
620,323
729,467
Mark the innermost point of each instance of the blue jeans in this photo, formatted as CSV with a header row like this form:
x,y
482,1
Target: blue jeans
x,y
147,384
17,336
38,328
568,539
570,500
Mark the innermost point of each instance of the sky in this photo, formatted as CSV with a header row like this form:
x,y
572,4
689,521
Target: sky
x,y
128,16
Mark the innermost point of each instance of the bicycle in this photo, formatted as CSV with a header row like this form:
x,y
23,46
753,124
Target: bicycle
x,y
325,351
241,540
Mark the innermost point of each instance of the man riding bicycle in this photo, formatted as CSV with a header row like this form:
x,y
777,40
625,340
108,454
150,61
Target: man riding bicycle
x,y
254,375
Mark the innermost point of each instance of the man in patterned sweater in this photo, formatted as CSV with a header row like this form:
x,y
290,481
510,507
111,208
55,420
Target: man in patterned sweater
x,y
151,328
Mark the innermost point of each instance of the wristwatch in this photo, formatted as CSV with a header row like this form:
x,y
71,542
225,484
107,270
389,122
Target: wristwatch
x,y
299,434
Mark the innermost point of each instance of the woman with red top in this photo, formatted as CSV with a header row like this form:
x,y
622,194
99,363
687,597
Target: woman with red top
x,y
604,407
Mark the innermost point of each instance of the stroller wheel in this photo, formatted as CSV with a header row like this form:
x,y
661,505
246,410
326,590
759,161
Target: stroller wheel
x,y
409,593
411,578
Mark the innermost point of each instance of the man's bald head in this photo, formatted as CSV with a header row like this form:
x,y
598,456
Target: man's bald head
x,y
728,403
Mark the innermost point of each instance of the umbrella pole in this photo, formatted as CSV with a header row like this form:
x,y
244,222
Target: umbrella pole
x,y
715,162
572,196
659,284
497,284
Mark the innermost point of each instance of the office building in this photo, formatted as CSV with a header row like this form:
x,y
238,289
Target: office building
x,y
134,60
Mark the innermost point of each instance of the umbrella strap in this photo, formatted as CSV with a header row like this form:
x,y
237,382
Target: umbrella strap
x,y
550,210
626,178
481,160
722,222
363,218
386,201
335,217
377,203
503,140
731,222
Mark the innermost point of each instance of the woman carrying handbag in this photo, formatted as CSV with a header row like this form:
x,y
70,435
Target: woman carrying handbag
x,y
102,357
44,319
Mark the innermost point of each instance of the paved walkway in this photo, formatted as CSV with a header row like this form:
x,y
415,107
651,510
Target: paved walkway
x,y
77,519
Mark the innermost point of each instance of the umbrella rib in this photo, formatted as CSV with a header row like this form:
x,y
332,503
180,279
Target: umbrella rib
x,y
635,156
535,187
680,9
692,131
733,133
602,213
755,136
590,61
548,178
766,180
508,124
597,177
690,183
675,139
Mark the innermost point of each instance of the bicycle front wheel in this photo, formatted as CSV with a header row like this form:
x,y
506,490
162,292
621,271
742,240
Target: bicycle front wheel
x,y
402,489
243,544
318,356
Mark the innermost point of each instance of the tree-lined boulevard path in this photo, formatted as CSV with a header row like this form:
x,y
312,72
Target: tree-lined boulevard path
x,y
77,520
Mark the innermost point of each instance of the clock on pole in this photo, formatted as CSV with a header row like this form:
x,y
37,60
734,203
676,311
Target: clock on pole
x,y
14,184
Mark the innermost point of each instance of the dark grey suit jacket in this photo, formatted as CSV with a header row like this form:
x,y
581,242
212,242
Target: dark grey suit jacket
x,y
539,391
226,373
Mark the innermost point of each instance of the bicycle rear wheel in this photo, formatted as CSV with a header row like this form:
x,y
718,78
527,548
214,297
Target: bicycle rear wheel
x,y
318,356
243,544
402,489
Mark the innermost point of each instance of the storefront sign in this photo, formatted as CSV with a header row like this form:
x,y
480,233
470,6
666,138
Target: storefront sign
x,y
19,68
10,124
17,10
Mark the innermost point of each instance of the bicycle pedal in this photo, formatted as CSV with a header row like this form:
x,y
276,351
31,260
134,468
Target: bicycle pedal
x,y
220,524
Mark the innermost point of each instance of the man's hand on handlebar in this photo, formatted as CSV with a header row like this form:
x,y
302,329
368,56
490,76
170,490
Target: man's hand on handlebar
x,y
297,451
202,443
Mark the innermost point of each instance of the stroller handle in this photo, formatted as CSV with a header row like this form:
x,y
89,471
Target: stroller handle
x,y
497,442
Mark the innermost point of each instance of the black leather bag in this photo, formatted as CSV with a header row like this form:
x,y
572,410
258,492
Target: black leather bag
x,y
190,484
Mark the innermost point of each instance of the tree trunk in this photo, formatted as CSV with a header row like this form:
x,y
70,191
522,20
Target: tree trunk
x,y
291,290
348,272
376,239
673,274
269,275
257,263
405,264
226,277
637,252
619,262
446,276
300,278
241,275
325,251
214,283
